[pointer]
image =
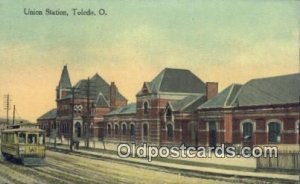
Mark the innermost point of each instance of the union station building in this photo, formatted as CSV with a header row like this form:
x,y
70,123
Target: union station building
x,y
177,107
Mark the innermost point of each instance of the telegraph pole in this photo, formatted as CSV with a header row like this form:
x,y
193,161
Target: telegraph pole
x,y
14,114
7,107
72,118
88,113
299,100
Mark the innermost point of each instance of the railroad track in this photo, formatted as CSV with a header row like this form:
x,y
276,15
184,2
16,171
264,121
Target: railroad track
x,y
77,168
203,175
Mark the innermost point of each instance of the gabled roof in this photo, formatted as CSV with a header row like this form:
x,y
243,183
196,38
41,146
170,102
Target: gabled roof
x,y
188,104
126,109
97,85
49,115
172,80
64,81
224,98
276,90
101,101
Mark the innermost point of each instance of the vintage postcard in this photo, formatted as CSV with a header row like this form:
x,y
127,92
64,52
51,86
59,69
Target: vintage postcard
x,y
149,91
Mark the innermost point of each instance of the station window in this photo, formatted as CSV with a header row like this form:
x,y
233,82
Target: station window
x,y
169,114
170,130
132,131
146,108
109,129
145,130
247,131
274,132
116,129
124,129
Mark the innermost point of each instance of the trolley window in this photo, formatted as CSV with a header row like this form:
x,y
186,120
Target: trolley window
x,y
22,138
41,139
32,139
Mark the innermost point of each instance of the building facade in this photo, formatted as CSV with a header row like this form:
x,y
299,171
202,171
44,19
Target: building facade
x,y
177,107
80,108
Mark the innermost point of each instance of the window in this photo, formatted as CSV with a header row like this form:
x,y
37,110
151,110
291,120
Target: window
x,y
22,138
41,139
31,138
116,129
170,130
145,130
109,129
132,131
169,114
247,131
78,129
274,132
124,129
146,108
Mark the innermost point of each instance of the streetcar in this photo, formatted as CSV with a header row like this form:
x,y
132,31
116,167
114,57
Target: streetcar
x,y
24,144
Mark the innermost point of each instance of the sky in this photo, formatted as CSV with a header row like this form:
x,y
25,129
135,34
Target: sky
x,y
221,41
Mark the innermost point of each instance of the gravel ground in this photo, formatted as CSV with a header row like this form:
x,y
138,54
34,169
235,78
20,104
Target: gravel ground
x,y
66,168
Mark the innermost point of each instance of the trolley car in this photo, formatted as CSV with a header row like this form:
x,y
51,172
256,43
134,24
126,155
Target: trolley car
x,y
24,144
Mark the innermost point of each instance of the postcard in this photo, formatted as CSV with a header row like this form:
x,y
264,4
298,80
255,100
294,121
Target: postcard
x,y
149,91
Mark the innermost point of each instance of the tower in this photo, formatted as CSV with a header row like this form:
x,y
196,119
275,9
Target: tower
x,y
64,84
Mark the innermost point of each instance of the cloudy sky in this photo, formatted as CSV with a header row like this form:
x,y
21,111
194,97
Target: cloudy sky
x,y
223,41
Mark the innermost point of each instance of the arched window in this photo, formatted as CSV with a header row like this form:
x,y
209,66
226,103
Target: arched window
x,y
67,127
274,132
124,129
145,130
169,114
132,130
78,129
109,129
247,131
116,129
64,127
146,108
170,130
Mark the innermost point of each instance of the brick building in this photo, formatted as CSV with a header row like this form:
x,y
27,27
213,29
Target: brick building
x,y
177,107
262,111
93,97
47,121
162,110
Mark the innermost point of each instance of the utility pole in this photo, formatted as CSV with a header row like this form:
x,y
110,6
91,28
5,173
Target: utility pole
x,y
7,107
88,114
72,118
14,114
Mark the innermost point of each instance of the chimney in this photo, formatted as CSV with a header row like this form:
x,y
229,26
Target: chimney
x,y
113,95
211,89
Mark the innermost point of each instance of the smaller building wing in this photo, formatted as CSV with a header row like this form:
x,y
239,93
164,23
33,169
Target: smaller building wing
x,y
224,98
188,104
49,115
127,109
271,90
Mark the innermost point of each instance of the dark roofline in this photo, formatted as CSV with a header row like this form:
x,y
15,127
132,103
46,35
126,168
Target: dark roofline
x,y
249,107
274,76
119,111
48,112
